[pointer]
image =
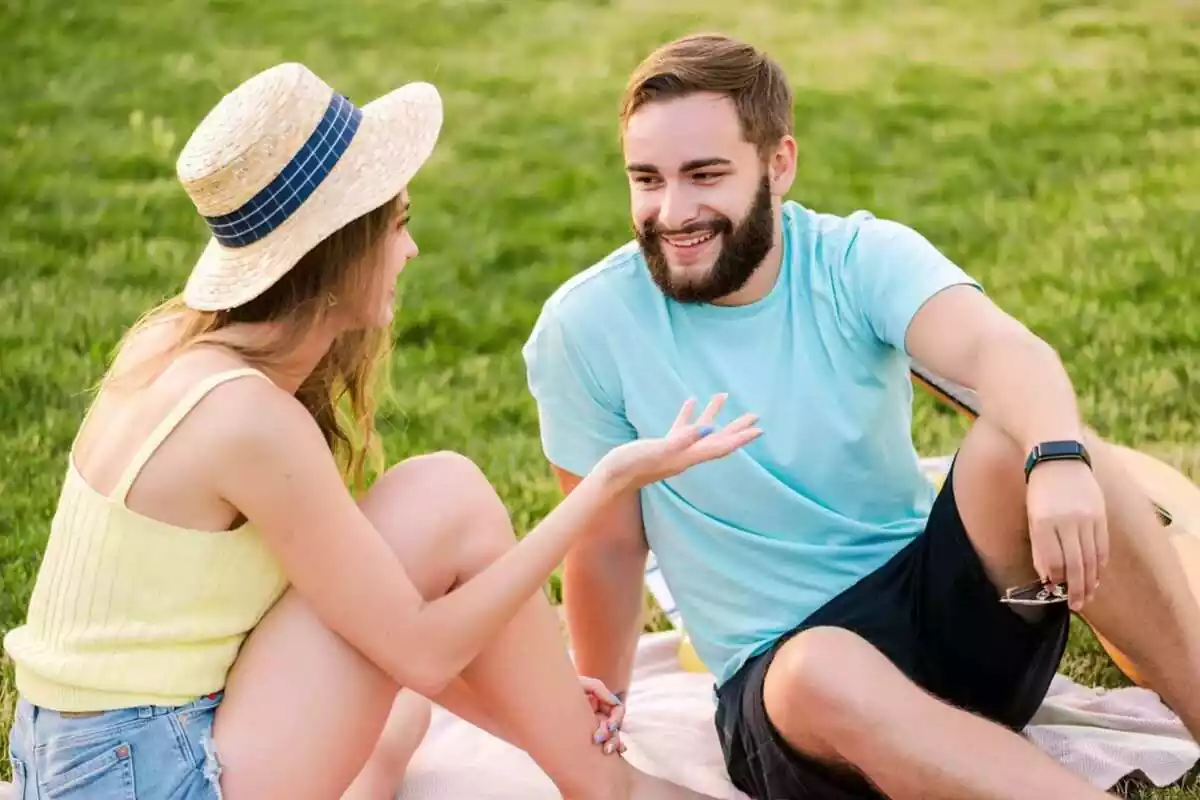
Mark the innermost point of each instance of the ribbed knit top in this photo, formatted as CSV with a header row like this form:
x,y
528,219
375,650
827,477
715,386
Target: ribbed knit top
x,y
127,610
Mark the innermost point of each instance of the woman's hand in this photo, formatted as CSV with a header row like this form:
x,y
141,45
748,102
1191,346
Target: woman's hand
x,y
609,712
642,462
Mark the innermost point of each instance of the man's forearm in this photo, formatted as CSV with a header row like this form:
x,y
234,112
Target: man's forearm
x,y
602,595
1025,389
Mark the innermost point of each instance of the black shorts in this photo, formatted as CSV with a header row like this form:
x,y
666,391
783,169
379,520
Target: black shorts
x,y
932,611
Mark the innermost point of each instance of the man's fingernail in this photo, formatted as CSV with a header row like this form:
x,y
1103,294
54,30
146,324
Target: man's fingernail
x,y
598,737
612,726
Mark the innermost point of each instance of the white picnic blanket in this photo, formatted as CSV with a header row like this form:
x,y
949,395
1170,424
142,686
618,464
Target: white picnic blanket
x,y
1102,735
1105,735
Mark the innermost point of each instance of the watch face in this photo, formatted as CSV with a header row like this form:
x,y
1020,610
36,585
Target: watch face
x,y
1060,449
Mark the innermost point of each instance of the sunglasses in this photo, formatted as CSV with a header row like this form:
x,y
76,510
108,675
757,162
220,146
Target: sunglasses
x,y
1037,593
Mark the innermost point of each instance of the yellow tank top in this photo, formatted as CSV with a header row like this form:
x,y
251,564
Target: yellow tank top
x,y
127,610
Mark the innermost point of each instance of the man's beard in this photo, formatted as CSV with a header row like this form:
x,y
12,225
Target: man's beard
x,y
743,249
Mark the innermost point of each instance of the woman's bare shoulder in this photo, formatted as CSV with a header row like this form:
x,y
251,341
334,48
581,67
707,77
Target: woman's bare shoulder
x,y
273,462
254,413
250,410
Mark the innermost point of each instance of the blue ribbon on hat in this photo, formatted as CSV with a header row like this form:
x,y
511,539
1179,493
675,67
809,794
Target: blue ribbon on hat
x,y
300,177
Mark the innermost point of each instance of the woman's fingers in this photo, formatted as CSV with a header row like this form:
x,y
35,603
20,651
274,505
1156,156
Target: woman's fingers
x,y
596,689
725,440
701,440
685,414
739,424
714,407
707,417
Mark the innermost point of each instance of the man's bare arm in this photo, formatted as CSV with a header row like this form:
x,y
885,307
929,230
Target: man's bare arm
x,y
1024,388
603,584
1022,385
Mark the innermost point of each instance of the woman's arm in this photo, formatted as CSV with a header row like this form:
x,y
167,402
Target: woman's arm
x,y
279,473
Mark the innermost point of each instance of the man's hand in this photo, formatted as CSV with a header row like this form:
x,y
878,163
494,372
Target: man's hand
x,y
609,711
1068,527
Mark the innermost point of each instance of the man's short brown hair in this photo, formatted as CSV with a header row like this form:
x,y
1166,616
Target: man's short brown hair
x,y
709,62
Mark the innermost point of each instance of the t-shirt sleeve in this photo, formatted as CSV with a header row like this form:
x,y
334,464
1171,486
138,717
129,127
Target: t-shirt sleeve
x,y
576,390
888,273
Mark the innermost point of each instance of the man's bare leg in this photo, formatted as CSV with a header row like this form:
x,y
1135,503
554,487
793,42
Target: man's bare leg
x,y
836,698
861,712
1142,581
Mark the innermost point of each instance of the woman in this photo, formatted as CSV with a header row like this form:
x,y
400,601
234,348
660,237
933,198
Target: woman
x,y
215,614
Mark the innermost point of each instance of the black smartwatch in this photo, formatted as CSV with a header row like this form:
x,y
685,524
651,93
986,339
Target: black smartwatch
x,y
1056,451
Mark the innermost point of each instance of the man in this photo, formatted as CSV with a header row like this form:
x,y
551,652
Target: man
x,y
852,621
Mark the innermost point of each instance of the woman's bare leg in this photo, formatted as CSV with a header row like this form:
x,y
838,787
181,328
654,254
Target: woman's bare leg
x,y
406,726
300,695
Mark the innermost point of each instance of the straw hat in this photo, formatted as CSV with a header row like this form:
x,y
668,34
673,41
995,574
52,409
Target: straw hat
x,y
283,161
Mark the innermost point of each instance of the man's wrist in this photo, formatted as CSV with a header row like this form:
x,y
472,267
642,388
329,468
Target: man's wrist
x,y
1056,450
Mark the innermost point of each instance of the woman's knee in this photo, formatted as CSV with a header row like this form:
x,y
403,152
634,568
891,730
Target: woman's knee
x,y
446,500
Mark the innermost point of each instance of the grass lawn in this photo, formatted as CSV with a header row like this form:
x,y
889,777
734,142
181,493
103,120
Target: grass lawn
x,y
1052,148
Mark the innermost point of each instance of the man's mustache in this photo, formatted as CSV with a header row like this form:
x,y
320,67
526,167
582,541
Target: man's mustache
x,y
651,228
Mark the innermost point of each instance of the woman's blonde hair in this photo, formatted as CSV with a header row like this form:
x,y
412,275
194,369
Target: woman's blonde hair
x,y
342,391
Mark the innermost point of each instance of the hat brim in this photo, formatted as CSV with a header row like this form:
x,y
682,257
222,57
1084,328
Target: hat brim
x,y
394,140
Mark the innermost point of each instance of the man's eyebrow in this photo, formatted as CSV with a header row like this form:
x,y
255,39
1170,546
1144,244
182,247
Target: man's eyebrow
x,y
688,166
700,163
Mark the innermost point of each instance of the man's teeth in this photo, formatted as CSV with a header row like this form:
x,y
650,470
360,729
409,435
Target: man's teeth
x,y
693,241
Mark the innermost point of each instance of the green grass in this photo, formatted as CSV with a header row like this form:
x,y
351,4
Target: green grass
x,y
1052,148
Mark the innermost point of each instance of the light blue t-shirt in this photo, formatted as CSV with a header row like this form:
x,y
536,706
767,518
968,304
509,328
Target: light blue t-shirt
x,y
752,544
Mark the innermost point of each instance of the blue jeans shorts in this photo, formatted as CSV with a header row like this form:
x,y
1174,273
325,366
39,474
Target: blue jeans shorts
x,y
140,753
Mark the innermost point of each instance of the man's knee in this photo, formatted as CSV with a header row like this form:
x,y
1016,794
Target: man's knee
x,y
988,449
822,689
989,490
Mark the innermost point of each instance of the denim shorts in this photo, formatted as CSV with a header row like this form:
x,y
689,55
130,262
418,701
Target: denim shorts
x,y
139,753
